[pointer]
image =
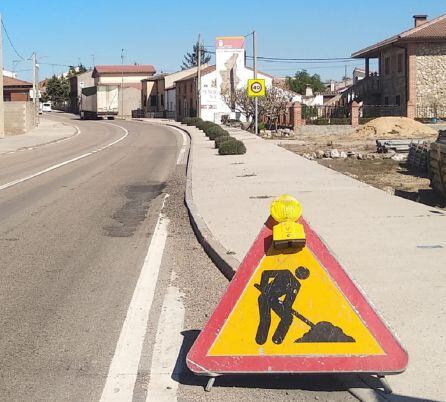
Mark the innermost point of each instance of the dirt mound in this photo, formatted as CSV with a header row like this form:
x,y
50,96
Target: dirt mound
x,y
325,332
394,128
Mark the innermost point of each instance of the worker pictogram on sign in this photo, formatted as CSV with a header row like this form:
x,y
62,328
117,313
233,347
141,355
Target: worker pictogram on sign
x,y
256,87
292,308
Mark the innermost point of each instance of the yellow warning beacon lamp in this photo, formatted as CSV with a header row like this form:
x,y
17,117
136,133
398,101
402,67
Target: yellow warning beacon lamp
x,y
286,210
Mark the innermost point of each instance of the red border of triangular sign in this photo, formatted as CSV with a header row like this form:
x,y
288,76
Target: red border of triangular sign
x,y
394,361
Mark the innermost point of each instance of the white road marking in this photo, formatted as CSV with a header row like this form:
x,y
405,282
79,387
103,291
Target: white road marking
x,y
167,348
181,160
124,366
59,165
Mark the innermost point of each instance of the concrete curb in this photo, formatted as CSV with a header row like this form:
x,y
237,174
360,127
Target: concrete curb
x,y
219,255
214,249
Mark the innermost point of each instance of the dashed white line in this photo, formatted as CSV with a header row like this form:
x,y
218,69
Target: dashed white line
x,y
59,165
167,348
124,366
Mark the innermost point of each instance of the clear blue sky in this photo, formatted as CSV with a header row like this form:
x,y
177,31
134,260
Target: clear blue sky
x,y
160,32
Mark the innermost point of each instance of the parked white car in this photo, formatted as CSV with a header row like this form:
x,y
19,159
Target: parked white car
x,y
46,107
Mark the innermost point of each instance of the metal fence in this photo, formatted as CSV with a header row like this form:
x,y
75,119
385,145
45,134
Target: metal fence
x,y
326,114
161,115
374,111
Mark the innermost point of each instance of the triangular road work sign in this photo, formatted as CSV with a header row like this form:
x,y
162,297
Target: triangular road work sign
x,y
294,311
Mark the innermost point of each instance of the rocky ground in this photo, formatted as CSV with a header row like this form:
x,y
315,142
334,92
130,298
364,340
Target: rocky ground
x,y
359,159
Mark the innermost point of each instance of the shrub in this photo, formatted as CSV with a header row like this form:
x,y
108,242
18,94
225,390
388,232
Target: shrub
x,y
186,120
191,121
202,125
222,139
340,120
235,147
322,121
214,132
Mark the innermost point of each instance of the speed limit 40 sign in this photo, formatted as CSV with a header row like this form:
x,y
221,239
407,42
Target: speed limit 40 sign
x,y
256,87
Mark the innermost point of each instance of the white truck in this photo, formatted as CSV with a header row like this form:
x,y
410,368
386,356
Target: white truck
x,y
99,101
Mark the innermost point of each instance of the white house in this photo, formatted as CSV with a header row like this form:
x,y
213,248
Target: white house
x,y
229,73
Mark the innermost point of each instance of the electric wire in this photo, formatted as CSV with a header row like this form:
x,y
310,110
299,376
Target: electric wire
x,y
10,42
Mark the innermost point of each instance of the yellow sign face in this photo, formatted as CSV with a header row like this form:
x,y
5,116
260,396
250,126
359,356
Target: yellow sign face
x,y
292,307
256,87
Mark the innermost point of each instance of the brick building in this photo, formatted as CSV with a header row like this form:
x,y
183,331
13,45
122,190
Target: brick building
x,y
16,90
411,70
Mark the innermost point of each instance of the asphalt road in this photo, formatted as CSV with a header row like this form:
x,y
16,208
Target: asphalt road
x,y
72,243
104,286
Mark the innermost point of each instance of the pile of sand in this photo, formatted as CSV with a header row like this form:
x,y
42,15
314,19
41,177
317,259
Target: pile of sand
x,y
394,128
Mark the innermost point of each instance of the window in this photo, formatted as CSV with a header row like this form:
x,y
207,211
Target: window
x,y
398,100
387,66
386,100
400,63
162,100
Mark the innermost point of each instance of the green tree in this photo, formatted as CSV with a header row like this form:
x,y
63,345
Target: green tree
x,y
302,80
58,90
76,70
191,59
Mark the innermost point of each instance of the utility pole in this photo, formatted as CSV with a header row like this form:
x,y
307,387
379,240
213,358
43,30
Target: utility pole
x,y
35,87
34,79
199,77
256,103
345,76
2,109
122,83
92,56
37,93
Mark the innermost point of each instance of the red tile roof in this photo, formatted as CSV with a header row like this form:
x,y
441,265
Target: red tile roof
x,y
431,30
127,69
14,82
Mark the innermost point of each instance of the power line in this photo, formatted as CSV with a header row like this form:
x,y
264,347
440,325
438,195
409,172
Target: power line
x,y
299,60
305,59
59,65
10,42
308,62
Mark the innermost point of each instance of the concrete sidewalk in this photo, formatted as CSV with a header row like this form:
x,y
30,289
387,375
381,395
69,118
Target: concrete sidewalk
x,y
394,248
48,131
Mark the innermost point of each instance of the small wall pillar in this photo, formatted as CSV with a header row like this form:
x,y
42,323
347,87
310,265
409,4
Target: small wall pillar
x,y
297,115
410,110
354,114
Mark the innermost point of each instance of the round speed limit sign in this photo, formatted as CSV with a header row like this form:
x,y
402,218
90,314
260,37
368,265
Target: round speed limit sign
x,y
256,87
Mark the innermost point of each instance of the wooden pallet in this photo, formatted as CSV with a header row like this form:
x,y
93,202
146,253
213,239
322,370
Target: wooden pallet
x,y
437,163
418,157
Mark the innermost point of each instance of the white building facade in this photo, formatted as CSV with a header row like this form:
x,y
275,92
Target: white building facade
x,y
230,74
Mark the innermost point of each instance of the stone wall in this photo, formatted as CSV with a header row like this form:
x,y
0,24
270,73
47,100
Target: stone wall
x,y
20,117
431,75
